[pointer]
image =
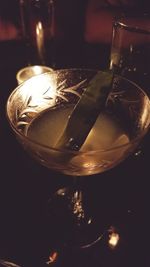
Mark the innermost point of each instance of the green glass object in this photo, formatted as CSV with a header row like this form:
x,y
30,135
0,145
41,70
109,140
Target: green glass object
x,y
86,111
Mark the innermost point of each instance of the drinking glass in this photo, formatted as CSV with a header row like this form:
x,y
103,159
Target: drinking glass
x,y
38,111
37,19
130,49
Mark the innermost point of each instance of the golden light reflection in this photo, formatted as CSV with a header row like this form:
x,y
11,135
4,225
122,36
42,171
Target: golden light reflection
x,y
37,70
52,257
40,40
78,205
30,71
145,113
41,90
113,238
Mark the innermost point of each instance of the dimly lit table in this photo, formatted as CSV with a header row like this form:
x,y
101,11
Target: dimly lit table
x,y
27,236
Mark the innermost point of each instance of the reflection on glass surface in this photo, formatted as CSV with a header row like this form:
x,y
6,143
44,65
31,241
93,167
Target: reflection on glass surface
x,y
4,263
113,238
52,257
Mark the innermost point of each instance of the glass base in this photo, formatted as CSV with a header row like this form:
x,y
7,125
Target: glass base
x,y
77,218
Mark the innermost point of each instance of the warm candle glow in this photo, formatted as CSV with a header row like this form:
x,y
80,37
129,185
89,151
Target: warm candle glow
x,y
113,239
30,71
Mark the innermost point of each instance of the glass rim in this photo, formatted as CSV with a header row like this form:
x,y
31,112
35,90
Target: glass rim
x,y
131,28
73,152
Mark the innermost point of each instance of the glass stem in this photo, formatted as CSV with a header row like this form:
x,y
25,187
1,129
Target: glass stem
x,y
77,205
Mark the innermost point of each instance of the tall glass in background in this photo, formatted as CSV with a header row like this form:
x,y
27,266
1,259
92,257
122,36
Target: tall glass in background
x,y
53,32
37,18
130,50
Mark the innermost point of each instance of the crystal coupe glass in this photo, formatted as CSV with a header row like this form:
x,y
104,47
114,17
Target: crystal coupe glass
x,y
38,111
